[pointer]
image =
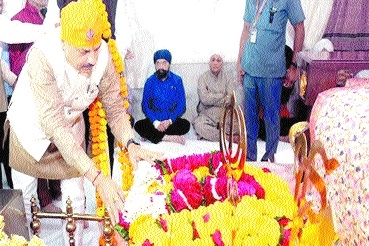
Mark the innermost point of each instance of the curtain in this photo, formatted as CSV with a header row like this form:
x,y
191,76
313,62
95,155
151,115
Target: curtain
x,y
317,13
348,25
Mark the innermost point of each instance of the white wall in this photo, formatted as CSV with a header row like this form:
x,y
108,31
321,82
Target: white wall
x,y
191,29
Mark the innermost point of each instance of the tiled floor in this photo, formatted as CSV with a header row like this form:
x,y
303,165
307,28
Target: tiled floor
x,y
51,230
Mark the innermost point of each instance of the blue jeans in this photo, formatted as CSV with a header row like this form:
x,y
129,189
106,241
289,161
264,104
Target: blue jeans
x,y
265,94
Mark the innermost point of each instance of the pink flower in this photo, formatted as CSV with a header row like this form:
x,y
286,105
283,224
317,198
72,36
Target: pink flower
x,y
217,238
286,237
222,172
179,163
196,161
259,190
147,243
183,178
215,189
187,190
245,188
163,224
122,222
177,201
206,217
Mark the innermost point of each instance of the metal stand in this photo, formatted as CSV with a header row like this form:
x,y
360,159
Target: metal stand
x,y
234,162
70,217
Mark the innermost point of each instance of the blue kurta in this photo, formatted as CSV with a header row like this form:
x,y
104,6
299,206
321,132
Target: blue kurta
x,y
163,100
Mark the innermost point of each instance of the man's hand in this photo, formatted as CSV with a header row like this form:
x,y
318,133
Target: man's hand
x,y
167,123
137,154
164,125
112,196
161,127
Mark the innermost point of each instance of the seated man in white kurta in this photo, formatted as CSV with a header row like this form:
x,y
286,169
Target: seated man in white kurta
x,y
214,88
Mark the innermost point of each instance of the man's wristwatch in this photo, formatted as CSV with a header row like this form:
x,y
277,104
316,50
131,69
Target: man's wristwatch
x,y
132,141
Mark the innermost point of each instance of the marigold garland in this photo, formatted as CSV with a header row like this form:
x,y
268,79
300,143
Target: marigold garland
x,y
97,115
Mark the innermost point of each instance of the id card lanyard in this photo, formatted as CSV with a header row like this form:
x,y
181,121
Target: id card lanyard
x,y
254,31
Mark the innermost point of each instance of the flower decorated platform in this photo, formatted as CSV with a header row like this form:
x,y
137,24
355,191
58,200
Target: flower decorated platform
x,y
186,201
217,198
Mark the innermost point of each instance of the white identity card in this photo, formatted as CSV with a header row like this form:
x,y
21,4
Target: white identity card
x,y
253,35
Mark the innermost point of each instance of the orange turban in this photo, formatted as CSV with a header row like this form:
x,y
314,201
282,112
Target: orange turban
x,y
81,24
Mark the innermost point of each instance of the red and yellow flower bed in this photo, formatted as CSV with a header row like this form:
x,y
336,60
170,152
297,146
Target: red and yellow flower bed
x,y
199,212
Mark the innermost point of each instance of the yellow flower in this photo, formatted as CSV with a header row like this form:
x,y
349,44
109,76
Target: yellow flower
x,y
125,104
36,241
124,94
153,187
101,112
17,240
201,172
100,211
146,227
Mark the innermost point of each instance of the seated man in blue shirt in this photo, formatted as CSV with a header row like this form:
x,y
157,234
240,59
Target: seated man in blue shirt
x,y
163,103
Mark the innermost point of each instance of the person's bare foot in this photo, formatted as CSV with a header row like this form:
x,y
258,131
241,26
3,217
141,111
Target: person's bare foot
x,y
175,139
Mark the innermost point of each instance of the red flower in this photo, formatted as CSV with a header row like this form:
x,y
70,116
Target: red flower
x,y
208,192
266,170
195,232
283,221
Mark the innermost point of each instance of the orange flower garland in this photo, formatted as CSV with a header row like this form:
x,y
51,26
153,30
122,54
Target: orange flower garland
x,y
99,145
98,120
